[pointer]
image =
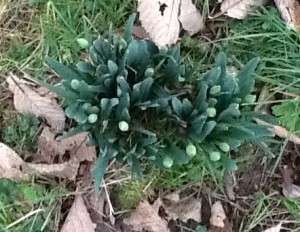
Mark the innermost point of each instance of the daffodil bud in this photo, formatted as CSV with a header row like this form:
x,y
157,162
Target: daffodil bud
x,y
191,150
92,118
75,84
83,43
123,126
215,156
168,162
211,112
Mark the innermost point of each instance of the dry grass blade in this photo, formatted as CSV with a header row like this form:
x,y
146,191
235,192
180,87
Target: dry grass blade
x,y
239,9
27,101
281,132
276,228
78,219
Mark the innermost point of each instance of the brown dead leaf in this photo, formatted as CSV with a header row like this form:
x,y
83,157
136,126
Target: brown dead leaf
x,y
78,219
276,228
290,12
239,9
49,147
190,17
28,101
145,217
289,190
182,209
63,170
217,215
11,165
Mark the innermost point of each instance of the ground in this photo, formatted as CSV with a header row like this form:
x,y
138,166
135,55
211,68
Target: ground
x,y
252,197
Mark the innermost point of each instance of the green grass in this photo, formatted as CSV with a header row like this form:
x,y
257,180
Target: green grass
x,y
28,207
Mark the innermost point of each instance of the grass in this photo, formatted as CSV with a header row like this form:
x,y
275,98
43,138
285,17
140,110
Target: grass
x,y
51,28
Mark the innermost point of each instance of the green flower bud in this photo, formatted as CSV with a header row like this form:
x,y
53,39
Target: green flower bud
x,y
168,162
214,156
112,67
236,100
94,110
75,84
123,126
215,90
92,118
191,150
211,112
86,107
224,147
149,72
83,43
211,102
234,105
250,98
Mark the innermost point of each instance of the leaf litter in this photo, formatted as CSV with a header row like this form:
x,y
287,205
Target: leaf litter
x,y
163,20
28,101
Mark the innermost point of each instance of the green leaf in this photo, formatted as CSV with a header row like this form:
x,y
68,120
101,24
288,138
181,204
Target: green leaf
x,y
207,129
201,104
177,106
75,131
100,168
129,28
229,164
221,62
246,77
62,70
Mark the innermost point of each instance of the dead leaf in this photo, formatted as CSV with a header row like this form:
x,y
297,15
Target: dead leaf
x,y
27,101
289,190
290,12
49,147
11,165
161,19
217,215
276,228
63,170
239,9
190,17
182,209
140,33
145,217
78,219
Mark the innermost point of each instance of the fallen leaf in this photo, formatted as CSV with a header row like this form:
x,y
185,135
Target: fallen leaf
x,y
190,17
276,228
78,219
28,101
290,12
161,19
217,215
182,209
145,217
63,170
289,190
239,9
11,165
49,147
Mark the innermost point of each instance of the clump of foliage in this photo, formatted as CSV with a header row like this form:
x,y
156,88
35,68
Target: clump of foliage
x,y
22,132
288,114
140,103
